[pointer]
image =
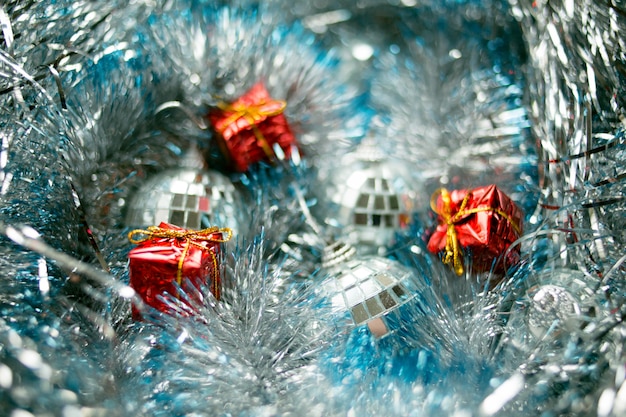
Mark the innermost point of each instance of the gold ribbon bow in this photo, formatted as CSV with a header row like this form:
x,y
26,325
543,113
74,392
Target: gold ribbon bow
x,y
253,114
453,252
191,237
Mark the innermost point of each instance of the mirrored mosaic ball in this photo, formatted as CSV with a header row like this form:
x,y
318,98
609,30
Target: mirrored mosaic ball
x,y
370,288
371,199
187,197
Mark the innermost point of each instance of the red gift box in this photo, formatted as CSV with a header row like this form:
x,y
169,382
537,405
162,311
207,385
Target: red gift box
x,y
168,255
482,222
251,126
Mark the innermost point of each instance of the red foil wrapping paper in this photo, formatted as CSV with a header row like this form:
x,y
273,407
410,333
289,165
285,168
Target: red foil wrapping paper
x,y
482,222
251,126
169,255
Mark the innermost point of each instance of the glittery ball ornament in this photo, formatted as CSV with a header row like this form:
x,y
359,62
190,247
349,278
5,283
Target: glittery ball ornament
x,y
372,290
190,198
557,304
371,197
562,303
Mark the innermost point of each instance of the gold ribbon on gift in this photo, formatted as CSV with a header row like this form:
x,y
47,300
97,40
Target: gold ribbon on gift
x,y
253,114
191,237
453,252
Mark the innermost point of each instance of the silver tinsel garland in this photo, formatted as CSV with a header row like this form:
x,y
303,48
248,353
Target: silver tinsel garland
x,y
97,99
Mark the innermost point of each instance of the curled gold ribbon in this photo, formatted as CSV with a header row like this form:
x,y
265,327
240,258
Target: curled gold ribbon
x,y
252,114
453,252
191,238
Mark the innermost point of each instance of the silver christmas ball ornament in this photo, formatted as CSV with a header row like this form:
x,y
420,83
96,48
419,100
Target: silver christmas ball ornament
x,y
370,289
191,198
370,197
561,302
552,304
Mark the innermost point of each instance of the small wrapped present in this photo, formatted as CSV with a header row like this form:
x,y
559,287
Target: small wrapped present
x,y
167,255
480,223
250,128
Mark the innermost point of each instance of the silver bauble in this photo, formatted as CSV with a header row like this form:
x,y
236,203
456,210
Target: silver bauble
x,y
370,288
564,302
551,304
560,303
371,197
191,198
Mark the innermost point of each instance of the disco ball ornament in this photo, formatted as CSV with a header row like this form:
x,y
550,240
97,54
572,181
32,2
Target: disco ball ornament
x,y
369,290
190,198
370,197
